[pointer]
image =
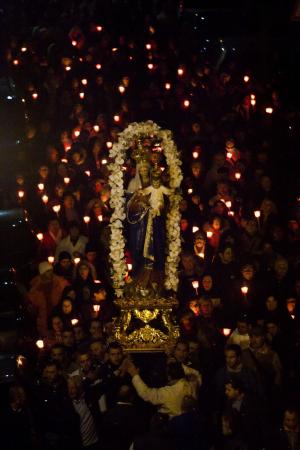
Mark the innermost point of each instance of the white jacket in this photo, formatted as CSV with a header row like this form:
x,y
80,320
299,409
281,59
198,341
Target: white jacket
x,y
168,398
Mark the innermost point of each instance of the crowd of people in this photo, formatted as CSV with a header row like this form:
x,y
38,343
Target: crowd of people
x,y
85,71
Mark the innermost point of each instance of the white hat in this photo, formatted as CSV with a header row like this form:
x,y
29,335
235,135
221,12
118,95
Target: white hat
x,y
44,267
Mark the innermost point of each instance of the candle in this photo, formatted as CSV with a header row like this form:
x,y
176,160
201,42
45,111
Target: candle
x,y
74,321
228,204
253,102
194,229
129,266
77,260
244,290
84,81
21,194
98,66
50,259
56,208
66,180
88,173
100,218
64,160
68,68
226,331
117,118
148,46
209,234
34,95
167,86
190,191
15,62
23,49
231,213
41,186
195,155
121,89
229,155
257,214
45,199
237,175
150,66
76,133
97,281
40,236
81,94
96,128
201,254
74,43
86,219
180,71
186,103
40,343
104,161
99,28
109,144
246,78
96,308
195,284
269,110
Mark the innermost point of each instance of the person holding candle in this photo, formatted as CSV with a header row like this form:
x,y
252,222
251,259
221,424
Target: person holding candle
x,y
73,243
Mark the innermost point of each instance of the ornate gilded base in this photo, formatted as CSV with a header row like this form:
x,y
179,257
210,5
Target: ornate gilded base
x,y
146,325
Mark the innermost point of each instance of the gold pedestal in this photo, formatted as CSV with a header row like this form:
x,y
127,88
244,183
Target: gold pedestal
x,y
146,325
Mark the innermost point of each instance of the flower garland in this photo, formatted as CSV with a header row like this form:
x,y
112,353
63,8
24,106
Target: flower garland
x,y
117,244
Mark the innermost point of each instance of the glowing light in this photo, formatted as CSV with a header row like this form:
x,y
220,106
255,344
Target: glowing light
x,y
34,95
109,144
86,219
96,128
77,260
100,218
23,49
81,94
96,308
45,199
56,208
99,28
41,186
229,155
244,290
168,86
40,343
40,236
186,103
68,68
237,175
226,331
195,155
76,133
74,43
104,161
257,214
195,284
246,78
50,259
67,180
117,118
21,194
88,173
228,204
150,66
269,110
15,62
129,267
209,234
121,89
190,191
98,66
195,229
74,322
148,46
180,71
253,102
84,81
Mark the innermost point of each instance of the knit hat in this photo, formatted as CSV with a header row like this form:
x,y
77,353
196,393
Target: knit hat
x,y
44,266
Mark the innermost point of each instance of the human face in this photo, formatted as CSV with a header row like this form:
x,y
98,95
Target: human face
x,y
271,303
207,282
188,263
216,224
54,226
44,172
85,362
232,360
257,342
67,306
68,339
228,255
184,224
97,350
74,232
231,393
181,352
206,308
242,327
272,329
72,389
78,333
196,170
84,271
68,202
100,295
115,356
195,307
248,272
57,324
57,354
96,329
290,421
65,263
47,276
281,267
50,374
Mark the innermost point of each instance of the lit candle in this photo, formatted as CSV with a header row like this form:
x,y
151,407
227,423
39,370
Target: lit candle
x,y
74,43
109,144
228,204
15,62
201,254
195,284
40,343
257,214
96,128
45,199
41,186
231,213
40,236
68,68
50,259
76,133
121,89
86,219
269,110
99,28
97,281
180,71
253,102
148,46
23,49
81,94
87,172
209,234
96,308
237,175
226,331
229,155
84,81
74,321
66,180
34,95
195,229
117,118
190,191
246,78
100,218
64,160
195,155
77,260
186,103
98,66
129,267
21,194
150,66
244,290
104,161
167,86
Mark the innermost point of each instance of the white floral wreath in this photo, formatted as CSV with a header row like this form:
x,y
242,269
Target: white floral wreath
x,y
117,202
